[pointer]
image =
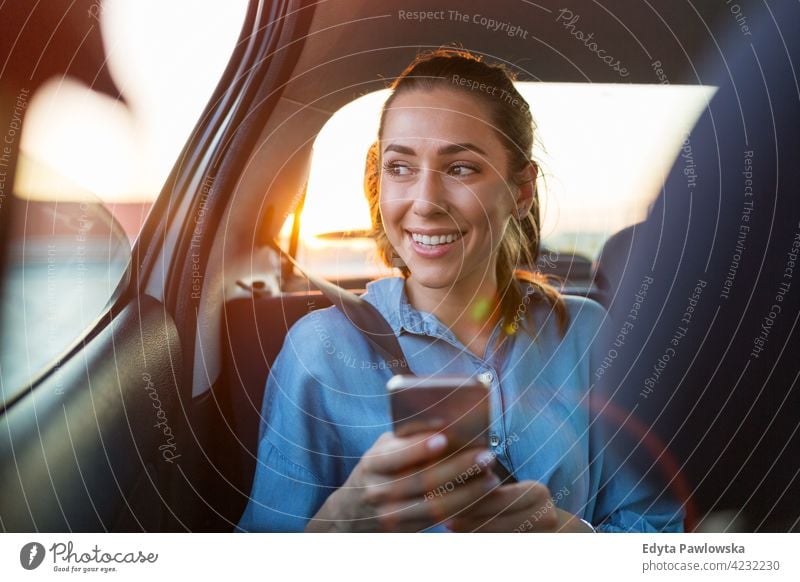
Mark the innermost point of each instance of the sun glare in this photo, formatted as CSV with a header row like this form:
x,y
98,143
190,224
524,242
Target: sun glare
x,y
166,58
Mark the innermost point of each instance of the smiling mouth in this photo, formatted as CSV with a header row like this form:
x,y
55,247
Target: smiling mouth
x,y
435,240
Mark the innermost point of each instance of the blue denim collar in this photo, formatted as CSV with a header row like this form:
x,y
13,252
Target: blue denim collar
x,y
388,295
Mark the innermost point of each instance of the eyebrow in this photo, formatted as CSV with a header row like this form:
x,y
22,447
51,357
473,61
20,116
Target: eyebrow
x,y
443,151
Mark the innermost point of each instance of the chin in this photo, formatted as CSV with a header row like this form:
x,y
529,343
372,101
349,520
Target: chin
x,y
432,278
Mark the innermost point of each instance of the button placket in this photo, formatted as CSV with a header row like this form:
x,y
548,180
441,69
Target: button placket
x,y
498,439
497,432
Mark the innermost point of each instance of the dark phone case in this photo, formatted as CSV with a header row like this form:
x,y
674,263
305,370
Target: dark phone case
x,y
461,412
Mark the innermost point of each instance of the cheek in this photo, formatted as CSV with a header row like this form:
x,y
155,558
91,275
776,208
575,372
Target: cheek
x,y
487,216
390,215
491,205
392,202
492,223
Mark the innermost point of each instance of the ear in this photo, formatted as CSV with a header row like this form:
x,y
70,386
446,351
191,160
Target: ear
x,y
526,186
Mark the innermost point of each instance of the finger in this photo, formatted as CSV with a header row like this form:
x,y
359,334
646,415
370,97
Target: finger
x,y
439,477
526,505
544,519
421,513
402,516
513,498
391,454
448,473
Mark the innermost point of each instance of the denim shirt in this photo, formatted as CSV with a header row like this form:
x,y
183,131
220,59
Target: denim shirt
x,y
326,404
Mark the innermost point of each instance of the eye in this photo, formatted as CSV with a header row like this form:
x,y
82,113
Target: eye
x,y
397,169
462,170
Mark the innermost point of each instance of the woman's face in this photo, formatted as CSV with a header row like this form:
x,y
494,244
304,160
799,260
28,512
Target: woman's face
x,y
445,193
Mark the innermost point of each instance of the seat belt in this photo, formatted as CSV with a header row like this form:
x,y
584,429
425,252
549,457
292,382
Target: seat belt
x,y
370,322
361,314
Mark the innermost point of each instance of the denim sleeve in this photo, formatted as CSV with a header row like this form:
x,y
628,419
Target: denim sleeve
x,y
284,495
620,500
626,503
295,472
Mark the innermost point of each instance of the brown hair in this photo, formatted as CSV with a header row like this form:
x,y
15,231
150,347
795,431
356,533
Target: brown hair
x,y
512,119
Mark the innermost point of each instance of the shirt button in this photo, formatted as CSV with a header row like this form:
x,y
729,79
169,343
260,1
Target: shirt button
x,y
494,439
487,377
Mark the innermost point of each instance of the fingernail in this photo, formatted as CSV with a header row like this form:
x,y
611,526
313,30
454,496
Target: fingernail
x,y
484,458
491,482
437,442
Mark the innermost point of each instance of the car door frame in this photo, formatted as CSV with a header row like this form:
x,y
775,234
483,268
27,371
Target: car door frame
x,y
152,307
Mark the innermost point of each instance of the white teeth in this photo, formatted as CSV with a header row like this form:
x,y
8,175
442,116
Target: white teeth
x,y
435,239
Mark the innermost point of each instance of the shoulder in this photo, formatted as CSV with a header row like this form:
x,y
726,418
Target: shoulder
x,y
585,320
583,312
320,362
322,333
586,331
323,325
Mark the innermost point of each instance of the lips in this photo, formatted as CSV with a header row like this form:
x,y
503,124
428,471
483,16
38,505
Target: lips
x,y
433,243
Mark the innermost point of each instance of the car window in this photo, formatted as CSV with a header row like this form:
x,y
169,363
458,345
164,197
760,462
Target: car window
x,y
603,149
91,166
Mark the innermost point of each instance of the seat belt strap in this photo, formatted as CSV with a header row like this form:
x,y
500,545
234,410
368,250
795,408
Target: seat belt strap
x,y
362,314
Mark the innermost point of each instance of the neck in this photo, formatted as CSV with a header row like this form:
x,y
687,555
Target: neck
x,y
468,308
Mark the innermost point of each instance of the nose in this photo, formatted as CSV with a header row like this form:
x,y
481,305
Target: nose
x,y
429,195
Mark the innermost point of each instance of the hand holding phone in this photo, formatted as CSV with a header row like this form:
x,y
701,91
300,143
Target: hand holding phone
x,y
458,406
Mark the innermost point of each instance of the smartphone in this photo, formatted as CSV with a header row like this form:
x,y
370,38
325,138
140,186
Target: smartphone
x,y
458,406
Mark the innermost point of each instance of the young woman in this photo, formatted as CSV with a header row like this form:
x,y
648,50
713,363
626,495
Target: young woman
x,y
451,187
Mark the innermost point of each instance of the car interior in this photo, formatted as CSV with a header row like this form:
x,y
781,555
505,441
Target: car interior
x,y
206,303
